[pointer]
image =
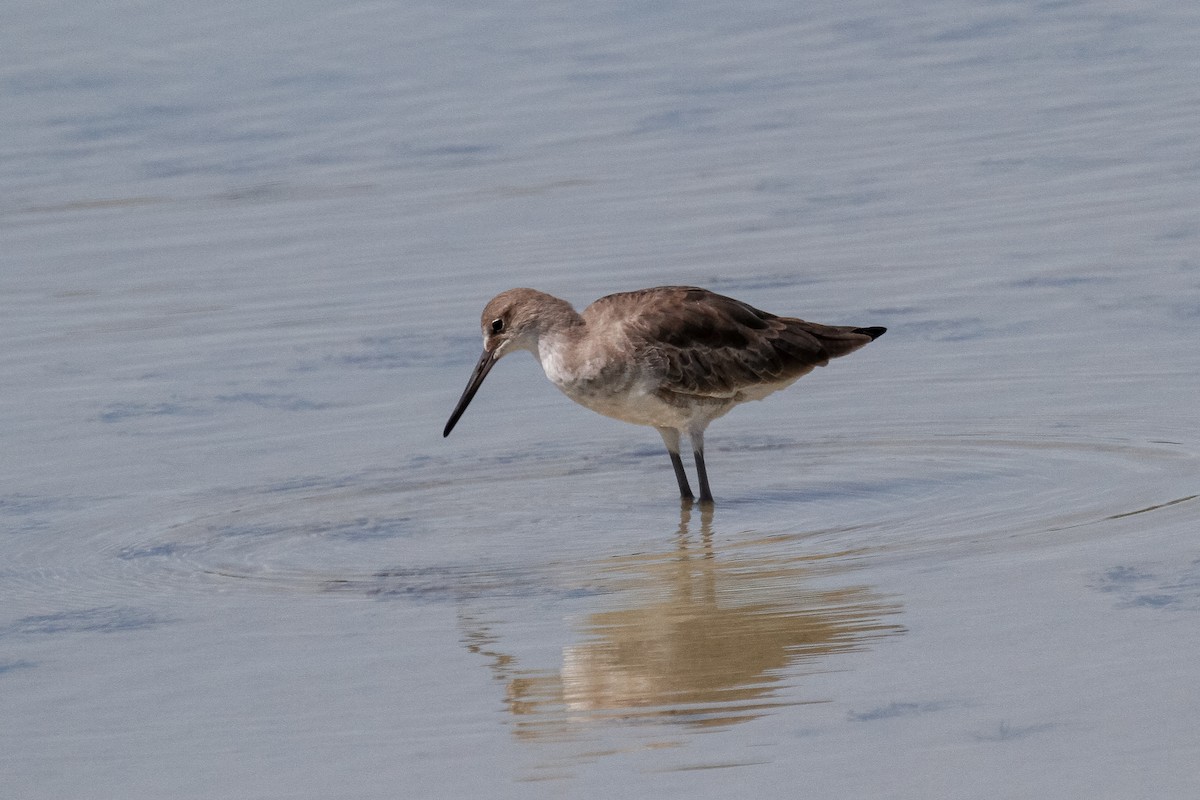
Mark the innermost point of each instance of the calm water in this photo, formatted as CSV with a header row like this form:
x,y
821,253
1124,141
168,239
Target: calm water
x,y
244,254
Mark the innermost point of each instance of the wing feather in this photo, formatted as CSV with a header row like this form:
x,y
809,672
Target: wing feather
x,y
710,345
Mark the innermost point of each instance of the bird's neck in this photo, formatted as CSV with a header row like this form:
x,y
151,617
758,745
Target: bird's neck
x,y
556,347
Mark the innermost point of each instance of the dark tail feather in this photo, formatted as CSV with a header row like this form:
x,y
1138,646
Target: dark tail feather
x,y
874,333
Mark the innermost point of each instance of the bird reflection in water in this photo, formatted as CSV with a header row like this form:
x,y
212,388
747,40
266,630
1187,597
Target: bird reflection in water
x,y
705,637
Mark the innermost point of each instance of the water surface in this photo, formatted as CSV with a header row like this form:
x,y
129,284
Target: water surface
x,y
244,257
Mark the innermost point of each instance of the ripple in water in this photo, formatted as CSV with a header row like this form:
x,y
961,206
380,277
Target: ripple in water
x,y
435,530
441,529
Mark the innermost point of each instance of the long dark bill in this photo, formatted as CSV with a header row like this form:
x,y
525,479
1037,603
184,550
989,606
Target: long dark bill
x,y
486,362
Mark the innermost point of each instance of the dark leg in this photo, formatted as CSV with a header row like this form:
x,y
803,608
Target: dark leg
x,y
702,475
670,438
701,471
685,491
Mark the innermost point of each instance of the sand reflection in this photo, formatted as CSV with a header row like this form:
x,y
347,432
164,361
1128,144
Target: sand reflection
x,y
702,636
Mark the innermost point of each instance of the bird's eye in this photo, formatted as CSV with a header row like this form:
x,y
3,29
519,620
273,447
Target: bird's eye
x,y
497,325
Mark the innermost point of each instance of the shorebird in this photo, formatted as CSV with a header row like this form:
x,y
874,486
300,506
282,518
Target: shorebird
x,y
674,357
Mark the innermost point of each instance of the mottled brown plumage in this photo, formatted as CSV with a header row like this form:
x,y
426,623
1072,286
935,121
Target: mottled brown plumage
x,y
674,357
710,345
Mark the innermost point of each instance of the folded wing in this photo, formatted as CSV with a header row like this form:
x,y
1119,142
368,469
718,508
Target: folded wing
x,y
709,345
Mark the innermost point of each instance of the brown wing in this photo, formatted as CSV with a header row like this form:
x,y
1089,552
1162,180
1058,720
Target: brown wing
x,y
710,345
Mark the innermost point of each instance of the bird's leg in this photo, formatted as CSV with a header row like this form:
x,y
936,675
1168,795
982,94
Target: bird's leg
x,y
685,491
702,474
697,438
670,438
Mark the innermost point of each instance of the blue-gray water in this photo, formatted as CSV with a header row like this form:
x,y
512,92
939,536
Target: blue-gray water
x,y
243,250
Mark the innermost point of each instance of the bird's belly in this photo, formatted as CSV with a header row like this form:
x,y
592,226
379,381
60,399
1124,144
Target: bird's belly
x,y
625,392
647,408
638,408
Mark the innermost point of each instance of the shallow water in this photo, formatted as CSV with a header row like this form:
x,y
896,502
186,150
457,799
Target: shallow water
x,y
243,261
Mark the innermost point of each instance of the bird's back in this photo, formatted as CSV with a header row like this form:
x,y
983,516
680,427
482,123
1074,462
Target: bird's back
x,y
706,344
